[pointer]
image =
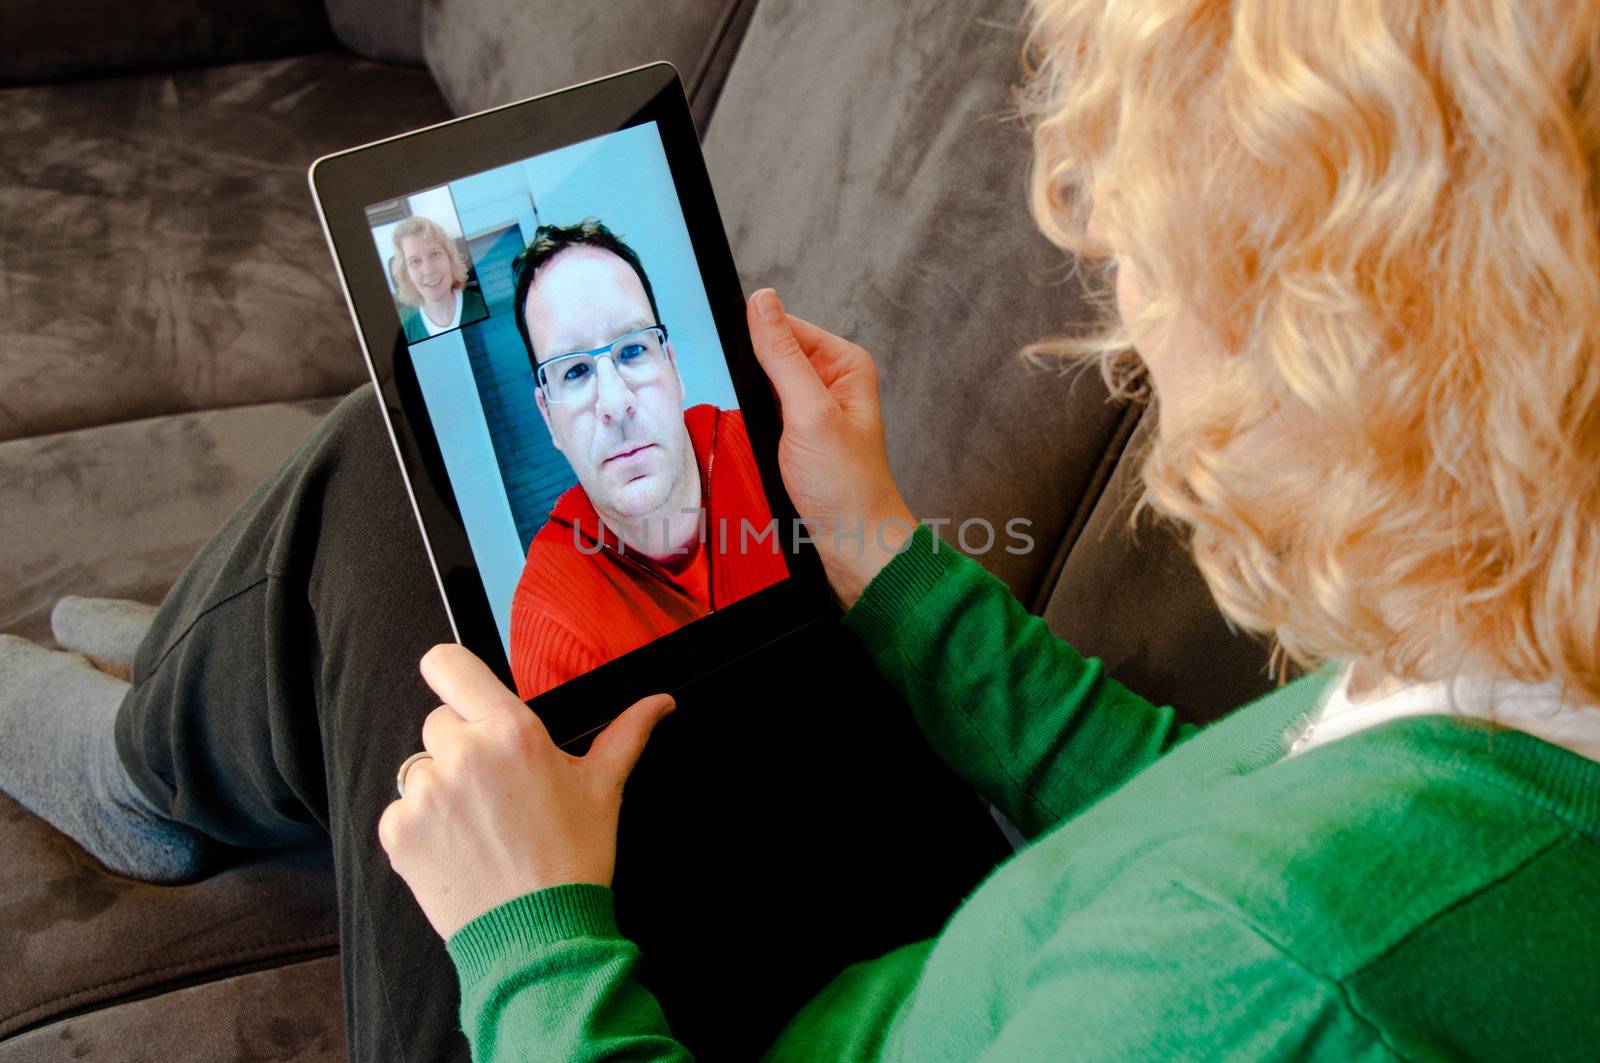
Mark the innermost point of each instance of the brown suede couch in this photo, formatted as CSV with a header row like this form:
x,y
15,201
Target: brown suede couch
x,y
173,324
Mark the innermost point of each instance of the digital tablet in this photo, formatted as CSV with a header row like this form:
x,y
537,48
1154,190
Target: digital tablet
x,y
552,318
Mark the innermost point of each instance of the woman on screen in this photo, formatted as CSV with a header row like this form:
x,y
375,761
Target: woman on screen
x,y
430,279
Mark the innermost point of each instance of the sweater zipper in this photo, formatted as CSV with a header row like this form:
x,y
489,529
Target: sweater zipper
x,y
1273,748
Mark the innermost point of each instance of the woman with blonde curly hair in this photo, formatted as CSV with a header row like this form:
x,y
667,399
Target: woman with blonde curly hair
x,y
1355,248
430,280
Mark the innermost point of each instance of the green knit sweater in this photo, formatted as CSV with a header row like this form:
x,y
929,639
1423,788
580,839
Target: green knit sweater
x,y
1427,889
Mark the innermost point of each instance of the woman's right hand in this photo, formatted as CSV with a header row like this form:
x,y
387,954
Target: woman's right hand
x,y
832,453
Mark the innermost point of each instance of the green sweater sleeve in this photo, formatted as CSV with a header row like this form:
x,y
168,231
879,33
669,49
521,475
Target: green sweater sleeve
x,y
1040,731
549,976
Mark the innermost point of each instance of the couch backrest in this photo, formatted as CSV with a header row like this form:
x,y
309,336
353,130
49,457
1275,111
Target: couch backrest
x,y
487,52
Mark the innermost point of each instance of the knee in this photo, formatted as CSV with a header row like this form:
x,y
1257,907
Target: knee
x,y
354,416
348,462
351,436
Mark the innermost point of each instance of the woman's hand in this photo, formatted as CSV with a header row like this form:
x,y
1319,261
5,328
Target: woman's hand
x,y
500,811
832,453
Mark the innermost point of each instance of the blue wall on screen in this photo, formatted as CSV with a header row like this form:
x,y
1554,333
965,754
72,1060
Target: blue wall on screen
x,y
534,472
445,376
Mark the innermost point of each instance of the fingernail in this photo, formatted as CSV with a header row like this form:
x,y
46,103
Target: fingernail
x,y
769,306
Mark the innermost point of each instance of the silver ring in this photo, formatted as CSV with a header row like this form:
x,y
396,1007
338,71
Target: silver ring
x,y
405,766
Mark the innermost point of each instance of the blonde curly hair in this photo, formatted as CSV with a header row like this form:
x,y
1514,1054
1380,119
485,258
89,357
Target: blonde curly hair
x,y
1384,213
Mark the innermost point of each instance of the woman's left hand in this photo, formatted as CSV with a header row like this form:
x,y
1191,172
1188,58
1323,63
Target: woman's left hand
x,y
500,811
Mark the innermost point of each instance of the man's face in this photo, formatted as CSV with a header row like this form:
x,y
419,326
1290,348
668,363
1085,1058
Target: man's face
x,y
429,267
628,446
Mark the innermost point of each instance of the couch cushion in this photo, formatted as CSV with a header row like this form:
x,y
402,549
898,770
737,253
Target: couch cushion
x,y
285,1013
74,38
488,52
161,252
119,510
77,937
1133,597
387,30
866,167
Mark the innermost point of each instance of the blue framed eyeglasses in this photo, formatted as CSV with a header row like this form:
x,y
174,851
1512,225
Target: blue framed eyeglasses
x,y
638,357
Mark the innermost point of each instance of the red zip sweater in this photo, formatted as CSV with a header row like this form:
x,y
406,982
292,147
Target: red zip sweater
x,y
583,600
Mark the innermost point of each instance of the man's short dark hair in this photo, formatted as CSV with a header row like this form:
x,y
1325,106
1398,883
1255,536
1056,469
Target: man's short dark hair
x,y
548,242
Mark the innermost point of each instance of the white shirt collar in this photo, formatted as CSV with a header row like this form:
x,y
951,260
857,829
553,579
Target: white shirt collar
x,y
1536,708
455,322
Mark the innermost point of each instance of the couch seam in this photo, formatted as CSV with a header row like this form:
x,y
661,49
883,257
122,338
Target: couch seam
x,y
708,58
1099,482
262,404
26,1020
330,46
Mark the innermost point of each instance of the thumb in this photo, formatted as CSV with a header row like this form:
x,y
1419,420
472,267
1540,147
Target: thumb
x,y
466,684
616,750
780,354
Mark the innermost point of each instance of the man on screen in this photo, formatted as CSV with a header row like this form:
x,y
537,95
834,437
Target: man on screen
x,y
651,536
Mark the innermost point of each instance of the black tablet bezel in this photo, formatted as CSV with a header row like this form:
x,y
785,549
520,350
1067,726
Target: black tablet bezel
x,y
345,183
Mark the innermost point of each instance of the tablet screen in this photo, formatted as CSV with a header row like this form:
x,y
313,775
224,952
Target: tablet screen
x,y
560,335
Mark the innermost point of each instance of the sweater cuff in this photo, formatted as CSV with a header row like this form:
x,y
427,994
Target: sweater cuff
x,y
529,923
899,587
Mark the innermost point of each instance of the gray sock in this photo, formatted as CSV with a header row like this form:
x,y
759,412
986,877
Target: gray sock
x,y
105,630
58,759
